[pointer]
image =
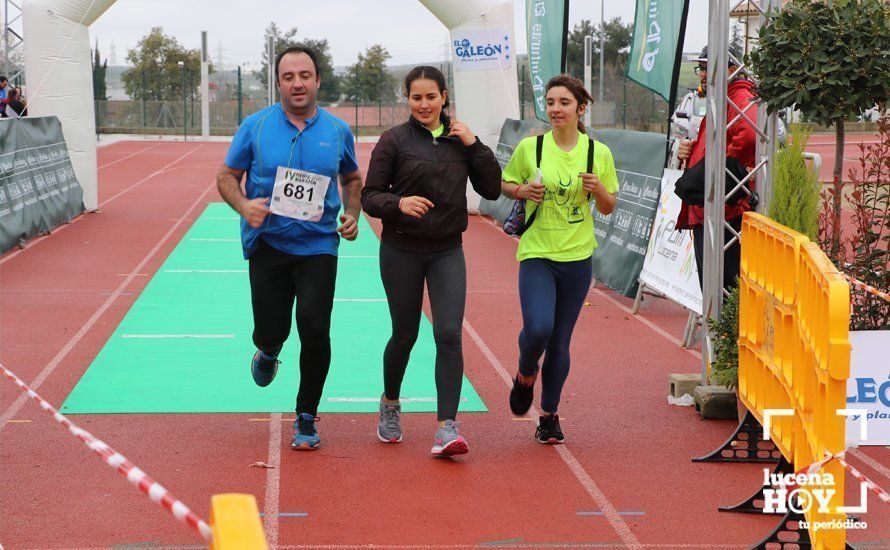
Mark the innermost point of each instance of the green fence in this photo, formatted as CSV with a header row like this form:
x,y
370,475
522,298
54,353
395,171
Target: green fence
x,y
176,117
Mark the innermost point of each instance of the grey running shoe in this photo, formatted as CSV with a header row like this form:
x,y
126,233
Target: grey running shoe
x,y
448,442
389,427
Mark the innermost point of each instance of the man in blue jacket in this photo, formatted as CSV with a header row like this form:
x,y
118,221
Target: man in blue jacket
x,y
293,153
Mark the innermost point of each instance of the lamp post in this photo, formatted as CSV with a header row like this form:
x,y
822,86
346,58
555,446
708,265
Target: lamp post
x,y
184,103
602,44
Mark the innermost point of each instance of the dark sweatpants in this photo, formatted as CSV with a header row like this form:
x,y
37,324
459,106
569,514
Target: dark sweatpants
x,y
445,273
731,259
276,279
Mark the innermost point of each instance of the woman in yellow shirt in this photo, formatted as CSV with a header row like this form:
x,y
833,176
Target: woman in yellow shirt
x,y
555,251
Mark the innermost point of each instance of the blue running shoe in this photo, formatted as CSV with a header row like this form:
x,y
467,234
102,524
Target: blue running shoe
x,y
264,367
305,435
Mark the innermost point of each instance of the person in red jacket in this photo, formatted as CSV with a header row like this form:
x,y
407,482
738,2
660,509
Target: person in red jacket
x,y
741,141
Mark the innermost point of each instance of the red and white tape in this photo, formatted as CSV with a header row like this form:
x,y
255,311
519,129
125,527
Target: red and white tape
x,y
157,493
816,466
870,289
882,494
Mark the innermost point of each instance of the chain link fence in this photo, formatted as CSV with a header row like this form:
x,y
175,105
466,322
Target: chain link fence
x,y
236,94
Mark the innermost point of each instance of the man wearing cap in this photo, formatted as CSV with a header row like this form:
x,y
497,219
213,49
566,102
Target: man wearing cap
x,y
741,140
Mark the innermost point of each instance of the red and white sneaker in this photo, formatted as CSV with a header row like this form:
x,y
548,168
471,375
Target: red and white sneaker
x,y
448,442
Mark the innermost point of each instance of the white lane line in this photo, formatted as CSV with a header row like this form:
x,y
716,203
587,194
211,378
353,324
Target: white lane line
x,y
35,384
585,513
602,501
139,152
377,399
179,336
148,177
273,481
205,271
875,465
658,330
62,227
215,240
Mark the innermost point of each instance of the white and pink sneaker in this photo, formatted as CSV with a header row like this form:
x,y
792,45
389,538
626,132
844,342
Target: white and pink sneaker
x,y
448,442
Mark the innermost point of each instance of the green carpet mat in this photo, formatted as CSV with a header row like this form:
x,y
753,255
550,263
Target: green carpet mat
x,y
185,345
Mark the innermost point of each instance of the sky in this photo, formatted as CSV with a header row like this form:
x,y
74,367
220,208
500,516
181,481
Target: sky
x,y
405,28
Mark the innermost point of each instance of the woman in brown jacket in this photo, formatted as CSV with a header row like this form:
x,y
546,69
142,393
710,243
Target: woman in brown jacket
x,y
417,185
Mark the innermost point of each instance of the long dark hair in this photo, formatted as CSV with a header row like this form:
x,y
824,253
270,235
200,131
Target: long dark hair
x,y
576,88
429,73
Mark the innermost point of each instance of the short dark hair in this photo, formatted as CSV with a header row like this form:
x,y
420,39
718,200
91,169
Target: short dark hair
x,y
3,79
429,73
298,49
12,94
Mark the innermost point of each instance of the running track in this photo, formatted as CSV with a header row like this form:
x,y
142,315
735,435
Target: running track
x,y
624,479
824,146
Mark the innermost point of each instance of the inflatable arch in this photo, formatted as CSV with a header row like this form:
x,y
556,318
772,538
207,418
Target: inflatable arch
x,y
57,60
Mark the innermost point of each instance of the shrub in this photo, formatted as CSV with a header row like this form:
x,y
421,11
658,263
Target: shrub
x,y
795,201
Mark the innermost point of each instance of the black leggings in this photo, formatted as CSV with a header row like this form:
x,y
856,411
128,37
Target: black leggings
x,y
403,275
276,278
731,259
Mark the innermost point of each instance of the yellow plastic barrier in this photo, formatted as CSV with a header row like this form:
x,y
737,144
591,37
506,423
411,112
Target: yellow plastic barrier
x,y
794,352
235,521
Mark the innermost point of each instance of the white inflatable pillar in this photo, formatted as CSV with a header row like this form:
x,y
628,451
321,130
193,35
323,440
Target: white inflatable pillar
x,y
487,94
60,77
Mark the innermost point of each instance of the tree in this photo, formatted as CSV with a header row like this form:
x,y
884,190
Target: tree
x,y
100,91
617,42
368,79
330,83
736,41
839,70
575,47
156,74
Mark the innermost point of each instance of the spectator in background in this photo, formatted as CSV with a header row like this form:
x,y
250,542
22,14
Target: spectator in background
x,y
741,140
15,108
4,83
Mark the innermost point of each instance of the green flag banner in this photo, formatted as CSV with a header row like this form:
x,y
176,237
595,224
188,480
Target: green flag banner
x,y
657,44
547,24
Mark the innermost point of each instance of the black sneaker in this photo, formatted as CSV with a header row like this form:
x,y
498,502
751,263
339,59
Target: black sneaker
x,y
548,430
521,397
